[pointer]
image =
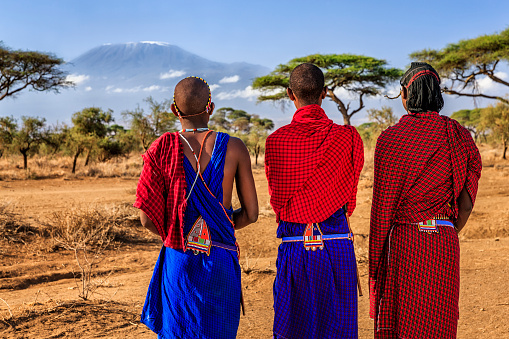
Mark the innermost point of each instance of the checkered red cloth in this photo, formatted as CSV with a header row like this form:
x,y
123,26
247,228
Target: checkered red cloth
x,y
161,189
421,165
313,167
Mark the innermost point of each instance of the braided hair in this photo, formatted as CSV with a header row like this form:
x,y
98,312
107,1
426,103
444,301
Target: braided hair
x,y
422,84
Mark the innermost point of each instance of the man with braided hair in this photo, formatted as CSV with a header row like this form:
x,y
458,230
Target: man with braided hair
x,y
427,168
313,167
185,194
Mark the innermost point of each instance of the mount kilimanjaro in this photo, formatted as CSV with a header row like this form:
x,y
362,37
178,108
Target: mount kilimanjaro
x,y
120,76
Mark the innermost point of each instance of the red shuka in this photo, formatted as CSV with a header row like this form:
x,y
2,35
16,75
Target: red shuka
x,y
421,165
162,187
312,167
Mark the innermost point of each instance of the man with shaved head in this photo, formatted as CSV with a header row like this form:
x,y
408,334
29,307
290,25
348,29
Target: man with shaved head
x,y
313,167
185,197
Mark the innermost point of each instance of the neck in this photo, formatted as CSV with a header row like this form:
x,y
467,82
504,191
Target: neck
x,y
302,104
188,124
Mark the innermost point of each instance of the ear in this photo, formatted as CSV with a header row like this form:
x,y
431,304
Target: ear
x,y
324,92
290,94
174,110
404,93
211,110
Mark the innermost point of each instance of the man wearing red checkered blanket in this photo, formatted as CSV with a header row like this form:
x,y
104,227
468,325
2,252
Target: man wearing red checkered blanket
x,y
427,169
312,167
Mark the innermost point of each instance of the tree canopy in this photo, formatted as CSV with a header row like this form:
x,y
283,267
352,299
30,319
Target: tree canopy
x,y
464,63
470,119
495,119
148,127
28,69
357,76
250,128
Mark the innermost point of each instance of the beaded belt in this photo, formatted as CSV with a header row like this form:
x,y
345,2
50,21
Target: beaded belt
x,y
224,246
317,241
430,226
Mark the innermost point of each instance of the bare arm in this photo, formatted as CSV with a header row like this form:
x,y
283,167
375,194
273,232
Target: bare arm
x,y
246,190
147,223
464,209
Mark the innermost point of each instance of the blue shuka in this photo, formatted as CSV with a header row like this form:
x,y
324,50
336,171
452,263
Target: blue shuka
x,y
198,296
315,291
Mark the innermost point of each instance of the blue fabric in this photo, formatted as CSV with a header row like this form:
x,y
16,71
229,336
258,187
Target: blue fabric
x,y
198,296
315,292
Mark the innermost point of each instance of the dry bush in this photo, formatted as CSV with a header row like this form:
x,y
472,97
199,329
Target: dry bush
x,y
89,232
12,228
43,167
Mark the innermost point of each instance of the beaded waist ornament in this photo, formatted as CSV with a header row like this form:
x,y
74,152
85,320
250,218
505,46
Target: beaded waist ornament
x,y
313,237
198,239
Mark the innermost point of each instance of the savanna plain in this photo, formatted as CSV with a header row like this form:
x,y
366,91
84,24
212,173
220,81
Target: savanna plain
x,y
76,263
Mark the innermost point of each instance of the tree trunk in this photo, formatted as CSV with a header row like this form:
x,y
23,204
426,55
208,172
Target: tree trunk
x,y
505,148
78,152
88,158
346,119
25,158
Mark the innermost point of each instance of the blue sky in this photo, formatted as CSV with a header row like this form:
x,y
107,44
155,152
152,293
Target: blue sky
x,y
260,32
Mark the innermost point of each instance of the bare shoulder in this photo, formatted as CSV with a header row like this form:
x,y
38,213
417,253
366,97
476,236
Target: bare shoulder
x,y
236,149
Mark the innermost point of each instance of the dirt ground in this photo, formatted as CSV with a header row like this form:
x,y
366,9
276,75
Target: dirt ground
x,y
39,296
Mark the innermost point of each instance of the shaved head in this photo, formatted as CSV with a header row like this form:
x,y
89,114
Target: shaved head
x,y
307,82
191,96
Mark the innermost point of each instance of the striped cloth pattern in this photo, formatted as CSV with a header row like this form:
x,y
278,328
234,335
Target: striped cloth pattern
x,y
315,291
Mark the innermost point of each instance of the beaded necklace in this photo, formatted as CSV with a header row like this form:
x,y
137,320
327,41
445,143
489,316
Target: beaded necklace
x,y
201,129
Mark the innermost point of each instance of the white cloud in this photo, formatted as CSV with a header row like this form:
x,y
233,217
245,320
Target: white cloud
x,y
152,88
486,84
214,87
160,43
88,88
247,93
77,78
112,89
229,80
171,74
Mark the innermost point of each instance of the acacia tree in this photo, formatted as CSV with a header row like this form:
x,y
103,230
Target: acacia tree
x,y
496,120
24,139
470,119
464,63
250,128
8,128
380,120
359,76
148,127
90,125
27,69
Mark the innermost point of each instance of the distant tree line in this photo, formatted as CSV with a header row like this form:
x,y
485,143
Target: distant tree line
x,y
95,136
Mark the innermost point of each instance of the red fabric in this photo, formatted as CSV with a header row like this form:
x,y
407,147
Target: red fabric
x,y
312,167
421,165
161,189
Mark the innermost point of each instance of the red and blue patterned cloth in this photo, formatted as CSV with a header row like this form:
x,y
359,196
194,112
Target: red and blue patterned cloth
x,y
421,165
161,188
198,296
313,167
315,291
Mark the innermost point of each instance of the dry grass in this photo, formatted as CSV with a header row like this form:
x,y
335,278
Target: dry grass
x,y
43,167
13,228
